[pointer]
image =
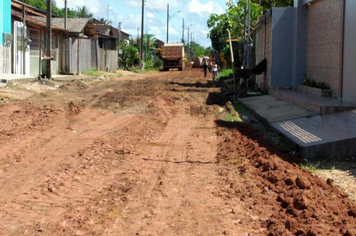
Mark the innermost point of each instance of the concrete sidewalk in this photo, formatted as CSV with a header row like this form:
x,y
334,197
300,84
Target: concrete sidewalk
x,y
273,109
5,78
330,135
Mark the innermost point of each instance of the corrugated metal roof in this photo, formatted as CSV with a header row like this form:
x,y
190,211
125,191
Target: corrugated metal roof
x,y
103,29
74,25
35,20
29,9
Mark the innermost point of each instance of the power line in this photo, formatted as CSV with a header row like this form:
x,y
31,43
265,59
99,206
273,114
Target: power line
x,y
155,9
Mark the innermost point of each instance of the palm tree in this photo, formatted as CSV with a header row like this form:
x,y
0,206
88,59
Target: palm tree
x,y
105,21
83,12
150,43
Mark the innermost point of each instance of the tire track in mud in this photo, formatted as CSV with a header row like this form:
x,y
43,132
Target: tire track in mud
x,y
57,181
177,183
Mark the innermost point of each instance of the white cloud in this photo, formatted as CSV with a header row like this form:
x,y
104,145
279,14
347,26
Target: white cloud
x,y
92,5
199,8
194,12
159,5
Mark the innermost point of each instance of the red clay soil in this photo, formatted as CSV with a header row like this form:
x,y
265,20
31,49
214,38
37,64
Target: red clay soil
x,y
144,154
287,199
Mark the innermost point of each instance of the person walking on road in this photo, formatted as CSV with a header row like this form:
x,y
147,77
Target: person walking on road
x,y
214,69
205,65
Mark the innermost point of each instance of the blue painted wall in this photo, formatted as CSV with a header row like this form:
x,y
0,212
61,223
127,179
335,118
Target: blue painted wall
x,y
349,69
283,41
5,19
300,46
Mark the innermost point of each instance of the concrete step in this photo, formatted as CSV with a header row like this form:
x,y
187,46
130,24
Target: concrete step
x,y
318,104
331,135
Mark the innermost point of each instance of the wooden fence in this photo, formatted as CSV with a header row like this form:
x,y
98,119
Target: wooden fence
x,y
79,54
5,59
108,60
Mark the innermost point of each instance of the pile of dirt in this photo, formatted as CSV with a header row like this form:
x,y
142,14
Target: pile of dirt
x,y
74,85
294,201
25,117
73,109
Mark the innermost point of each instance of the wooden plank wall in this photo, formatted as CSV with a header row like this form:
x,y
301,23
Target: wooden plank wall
x,y
94,53
108,60
84,55
73,55
5,59
89,54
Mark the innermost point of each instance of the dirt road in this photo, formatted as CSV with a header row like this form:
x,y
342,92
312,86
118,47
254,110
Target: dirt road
x,y
144,154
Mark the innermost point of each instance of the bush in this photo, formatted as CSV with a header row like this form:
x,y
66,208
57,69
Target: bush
x,y
154,64
129,56
224,74
159,53
312,83
149,65
158,63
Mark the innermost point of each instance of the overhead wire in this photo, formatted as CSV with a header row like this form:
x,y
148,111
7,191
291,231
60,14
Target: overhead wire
x,y
155,9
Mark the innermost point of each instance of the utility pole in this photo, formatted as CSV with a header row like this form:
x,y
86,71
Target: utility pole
x,y
248,36
48,39
167,22
107,13
142,24
183,33
24,36
191,45
188,46
243,51
65,14
146,45
119,40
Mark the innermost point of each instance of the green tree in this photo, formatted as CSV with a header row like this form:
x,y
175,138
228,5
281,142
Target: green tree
x,y
129,56
41,4
60,12
268,4
105,21
207,51
150,43
84,12
233,20
196,50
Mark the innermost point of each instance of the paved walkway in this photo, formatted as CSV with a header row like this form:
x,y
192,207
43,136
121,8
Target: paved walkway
x,y
4,78
273,109
328,135
315,103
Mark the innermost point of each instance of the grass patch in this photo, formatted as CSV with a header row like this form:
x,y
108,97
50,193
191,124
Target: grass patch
x,y
312,167
232,118
98,73
92,72
224,74
259,128
236,112
240,108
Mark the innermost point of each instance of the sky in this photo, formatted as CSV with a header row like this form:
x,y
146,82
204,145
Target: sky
x,y
194,12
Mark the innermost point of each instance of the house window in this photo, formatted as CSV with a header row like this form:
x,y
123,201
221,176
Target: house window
x,y
35,42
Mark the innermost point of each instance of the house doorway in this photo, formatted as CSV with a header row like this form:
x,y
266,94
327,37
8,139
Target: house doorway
x,y
21,47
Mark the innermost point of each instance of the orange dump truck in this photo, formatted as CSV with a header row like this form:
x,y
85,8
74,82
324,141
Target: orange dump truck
x,y
173,56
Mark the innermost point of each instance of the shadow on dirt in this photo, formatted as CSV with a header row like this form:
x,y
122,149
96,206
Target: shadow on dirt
x,y
209,84
216,98
246,130
182,162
